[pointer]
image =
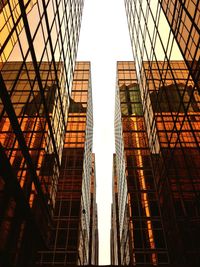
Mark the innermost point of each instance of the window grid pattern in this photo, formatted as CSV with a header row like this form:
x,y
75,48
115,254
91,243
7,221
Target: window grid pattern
x,y
175,134
114,236
11,25
170,100
184,19
142,239
69,239
26,100
37,62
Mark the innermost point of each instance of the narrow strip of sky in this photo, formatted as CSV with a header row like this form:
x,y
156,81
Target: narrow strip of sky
x,y
104,40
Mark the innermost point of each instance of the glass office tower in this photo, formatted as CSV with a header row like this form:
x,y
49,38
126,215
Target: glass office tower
x,y
165,43
32,138
115,254
38,46
174,138
158,175
94,234
136,207
70,234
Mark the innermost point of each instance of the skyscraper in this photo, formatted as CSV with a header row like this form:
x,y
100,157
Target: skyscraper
x,y
70,235
165,42
136,209
38,47
65,231
157,166
157,135
115,253
158,178
94,234
32,139
175,108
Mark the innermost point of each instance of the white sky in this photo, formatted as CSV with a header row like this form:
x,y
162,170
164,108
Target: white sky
x,y
104,39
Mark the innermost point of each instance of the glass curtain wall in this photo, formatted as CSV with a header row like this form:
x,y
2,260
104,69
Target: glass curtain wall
x,y
38,47
142,239
69,238
165,43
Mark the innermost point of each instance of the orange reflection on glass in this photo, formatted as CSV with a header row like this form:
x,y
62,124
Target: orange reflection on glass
x,y
7,15
32,195
178,130
143,187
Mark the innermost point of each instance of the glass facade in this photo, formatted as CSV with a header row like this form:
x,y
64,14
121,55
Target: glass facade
x,y
175,150
39,31
157,155
114,235
11,25
184,20
165,30
69,238
94,235
38,47
142,239
165,43
31,138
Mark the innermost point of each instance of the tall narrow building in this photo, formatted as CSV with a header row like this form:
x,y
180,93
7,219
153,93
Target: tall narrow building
x,y
115,253
157,155
94,234
38,46
32,138
136,207
70,235
174,140
165,38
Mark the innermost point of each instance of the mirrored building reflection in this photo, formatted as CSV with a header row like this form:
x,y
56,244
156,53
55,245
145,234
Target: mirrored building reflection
x,y
94,233
115,253
184,20
165,43
38,47
50,208
156,179
175,116
32,138
39,31
165,30
73,236
11,25
136,209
